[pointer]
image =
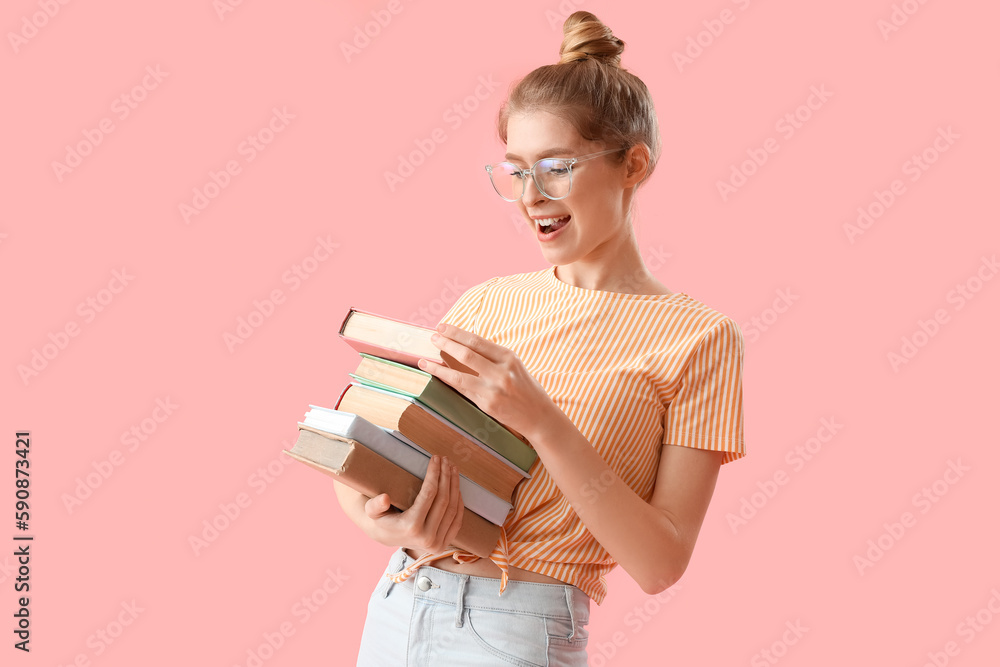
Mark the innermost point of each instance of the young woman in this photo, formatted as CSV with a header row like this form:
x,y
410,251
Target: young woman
x,y
630,393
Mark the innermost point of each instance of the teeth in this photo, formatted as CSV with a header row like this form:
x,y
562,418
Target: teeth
x,y
548,222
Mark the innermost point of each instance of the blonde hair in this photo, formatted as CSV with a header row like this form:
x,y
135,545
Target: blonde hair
x,y
589,88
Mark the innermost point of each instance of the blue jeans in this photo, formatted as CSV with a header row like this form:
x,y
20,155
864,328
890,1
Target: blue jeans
x,y
438,617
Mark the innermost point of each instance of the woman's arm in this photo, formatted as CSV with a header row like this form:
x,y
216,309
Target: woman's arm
x,y
652,541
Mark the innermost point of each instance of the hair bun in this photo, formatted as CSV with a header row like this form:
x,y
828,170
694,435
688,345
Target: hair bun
x,y
586,37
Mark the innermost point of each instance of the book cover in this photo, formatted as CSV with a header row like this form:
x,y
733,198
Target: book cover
x,y
355,465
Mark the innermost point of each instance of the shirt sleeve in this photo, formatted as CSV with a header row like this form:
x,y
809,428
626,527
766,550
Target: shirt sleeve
x,y
707,411
464,314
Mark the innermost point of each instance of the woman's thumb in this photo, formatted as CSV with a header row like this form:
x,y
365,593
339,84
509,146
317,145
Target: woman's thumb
x,y
378,505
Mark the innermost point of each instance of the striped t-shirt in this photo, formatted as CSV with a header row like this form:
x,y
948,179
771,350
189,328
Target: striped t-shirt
x,y
632,372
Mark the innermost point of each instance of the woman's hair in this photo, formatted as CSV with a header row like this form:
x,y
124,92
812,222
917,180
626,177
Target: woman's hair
x,y
589,88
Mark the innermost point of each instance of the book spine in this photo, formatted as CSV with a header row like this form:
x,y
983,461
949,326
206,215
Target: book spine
x,y
336,406
346,318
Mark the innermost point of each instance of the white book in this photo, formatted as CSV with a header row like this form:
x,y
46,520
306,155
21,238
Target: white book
x,y
395,447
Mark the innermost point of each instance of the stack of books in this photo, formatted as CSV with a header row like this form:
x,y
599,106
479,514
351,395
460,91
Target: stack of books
x,y
392,417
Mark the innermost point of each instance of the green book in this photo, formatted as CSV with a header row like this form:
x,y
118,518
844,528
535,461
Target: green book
x,y
448,403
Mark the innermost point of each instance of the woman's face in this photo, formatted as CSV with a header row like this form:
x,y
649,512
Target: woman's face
x,y
595,212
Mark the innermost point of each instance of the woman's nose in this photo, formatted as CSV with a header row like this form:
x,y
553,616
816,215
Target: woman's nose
x,y
531,194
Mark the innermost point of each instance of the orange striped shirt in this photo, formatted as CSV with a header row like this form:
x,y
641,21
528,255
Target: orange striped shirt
x,y
632,372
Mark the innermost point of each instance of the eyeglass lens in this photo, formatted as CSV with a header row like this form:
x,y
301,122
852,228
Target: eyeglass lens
x,y
552,177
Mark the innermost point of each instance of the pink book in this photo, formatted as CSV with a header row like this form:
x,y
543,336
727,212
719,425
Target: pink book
x,y
393,339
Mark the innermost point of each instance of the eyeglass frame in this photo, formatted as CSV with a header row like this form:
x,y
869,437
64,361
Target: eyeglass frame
x,y
531,172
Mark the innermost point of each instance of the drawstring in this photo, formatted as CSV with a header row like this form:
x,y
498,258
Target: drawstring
x,y
499,558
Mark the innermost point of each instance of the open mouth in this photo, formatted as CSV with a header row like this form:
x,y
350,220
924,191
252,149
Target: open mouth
x,y
549,225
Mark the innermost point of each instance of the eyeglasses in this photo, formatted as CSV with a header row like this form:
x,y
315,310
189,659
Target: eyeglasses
x,y
553,176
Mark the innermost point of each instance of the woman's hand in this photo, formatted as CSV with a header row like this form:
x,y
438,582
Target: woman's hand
x,y
504,389
434,519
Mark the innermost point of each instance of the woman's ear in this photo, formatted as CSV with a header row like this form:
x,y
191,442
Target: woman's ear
x,y
636,164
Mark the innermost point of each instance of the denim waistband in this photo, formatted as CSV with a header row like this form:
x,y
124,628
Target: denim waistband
x,y
466,591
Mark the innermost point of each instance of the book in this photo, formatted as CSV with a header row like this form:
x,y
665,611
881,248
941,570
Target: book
x,y
407,455
447,402
397,340
351,463
397,412
394,339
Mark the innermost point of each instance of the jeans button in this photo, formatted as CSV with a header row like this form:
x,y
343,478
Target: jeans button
x,y
423,583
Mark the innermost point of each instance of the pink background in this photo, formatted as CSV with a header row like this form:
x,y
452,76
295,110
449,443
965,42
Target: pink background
x,y
422,242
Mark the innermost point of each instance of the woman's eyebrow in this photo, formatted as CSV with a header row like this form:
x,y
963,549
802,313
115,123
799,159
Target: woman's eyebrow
x,y
546,153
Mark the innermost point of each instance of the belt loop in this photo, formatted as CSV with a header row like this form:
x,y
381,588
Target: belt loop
x,y
569,604
399,558
459,603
